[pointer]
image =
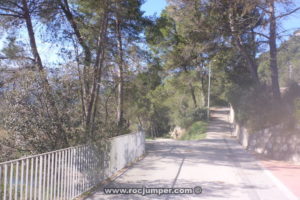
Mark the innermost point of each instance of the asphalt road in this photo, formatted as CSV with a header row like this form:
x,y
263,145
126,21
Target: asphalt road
x,y
218,164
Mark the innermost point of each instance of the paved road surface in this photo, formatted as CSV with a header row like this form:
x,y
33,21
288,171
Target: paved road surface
x,y
218,164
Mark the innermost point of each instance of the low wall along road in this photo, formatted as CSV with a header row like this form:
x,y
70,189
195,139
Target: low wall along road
x,y
273,142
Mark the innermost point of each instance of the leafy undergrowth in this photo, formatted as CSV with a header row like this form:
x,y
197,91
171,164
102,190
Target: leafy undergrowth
x,y
196,131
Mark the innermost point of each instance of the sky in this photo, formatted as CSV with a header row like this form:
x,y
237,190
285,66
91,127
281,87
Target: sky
x,y
290,23
154,6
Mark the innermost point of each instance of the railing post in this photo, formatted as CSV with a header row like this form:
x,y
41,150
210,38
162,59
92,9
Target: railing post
x,y
72,173
59,168
5,181
31,179
68,175
48,177
64,174
40,178
36,177
22,181
78,176
84,168
44,176
81,170
26,179
52,176
11,181
16,181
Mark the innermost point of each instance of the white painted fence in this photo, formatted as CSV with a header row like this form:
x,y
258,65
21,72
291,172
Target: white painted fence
x,y
67,173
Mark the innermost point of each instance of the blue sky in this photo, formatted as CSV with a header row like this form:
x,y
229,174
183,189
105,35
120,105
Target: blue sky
x,y
154,6
290,23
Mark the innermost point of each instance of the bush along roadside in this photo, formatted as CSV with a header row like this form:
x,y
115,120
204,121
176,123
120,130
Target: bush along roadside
x,y
196,131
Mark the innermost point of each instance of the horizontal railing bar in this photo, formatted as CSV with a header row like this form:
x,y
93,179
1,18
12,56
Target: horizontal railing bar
x,y
59,150
38,155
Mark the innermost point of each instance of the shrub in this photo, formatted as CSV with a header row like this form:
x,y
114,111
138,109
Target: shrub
x,y
196,131
291,103
189,116
256,108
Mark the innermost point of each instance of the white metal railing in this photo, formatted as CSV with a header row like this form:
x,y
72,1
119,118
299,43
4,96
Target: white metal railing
x,y
57,175
67,173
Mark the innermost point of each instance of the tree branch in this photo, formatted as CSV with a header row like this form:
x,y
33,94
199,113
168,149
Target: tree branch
x,y
11,15
288,13
264,9
10,10
3,58
16,57
263,35
15,4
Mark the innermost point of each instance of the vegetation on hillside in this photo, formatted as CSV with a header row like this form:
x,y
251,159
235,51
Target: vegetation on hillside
x,y
288,63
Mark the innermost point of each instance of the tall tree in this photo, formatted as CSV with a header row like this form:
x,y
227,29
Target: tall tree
x,y
270,9
91,73
128,24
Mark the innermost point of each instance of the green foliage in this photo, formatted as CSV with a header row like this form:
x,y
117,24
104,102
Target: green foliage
x,y
13,48
297,109
292,92
288,63
255,107
179,100
291,104
196,131
145,110
187,117
158,105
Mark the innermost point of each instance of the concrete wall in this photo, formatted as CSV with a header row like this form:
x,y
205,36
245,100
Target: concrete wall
x,y
274,142
118,152
125,149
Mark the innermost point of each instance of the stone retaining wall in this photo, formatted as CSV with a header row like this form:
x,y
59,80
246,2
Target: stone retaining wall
x,y
274,142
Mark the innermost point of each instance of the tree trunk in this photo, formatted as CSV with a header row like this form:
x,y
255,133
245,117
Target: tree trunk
x,y
273,52
43,76
203,89
100,64
67,12
192,89
84,77
120,111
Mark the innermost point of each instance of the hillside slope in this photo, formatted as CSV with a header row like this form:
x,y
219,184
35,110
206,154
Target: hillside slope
x,y
288,62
